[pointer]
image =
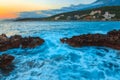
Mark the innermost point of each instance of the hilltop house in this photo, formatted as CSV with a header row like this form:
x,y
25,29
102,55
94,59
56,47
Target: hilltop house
x,y
58,17
95,12
77,16
108,16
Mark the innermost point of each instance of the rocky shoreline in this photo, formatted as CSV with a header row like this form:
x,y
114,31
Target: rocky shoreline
x,y
17,41
111,39
6,61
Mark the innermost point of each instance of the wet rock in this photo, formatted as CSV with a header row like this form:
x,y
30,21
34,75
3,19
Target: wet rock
x,y
5,61
31,42
111,39
3,38
17,41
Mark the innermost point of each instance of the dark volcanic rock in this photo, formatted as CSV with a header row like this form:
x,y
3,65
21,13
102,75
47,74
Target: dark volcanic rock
x,y
111,39
18,41
5,61
31,42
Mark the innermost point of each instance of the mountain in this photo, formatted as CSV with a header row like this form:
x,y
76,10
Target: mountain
x,y
96,14
108,2
48,13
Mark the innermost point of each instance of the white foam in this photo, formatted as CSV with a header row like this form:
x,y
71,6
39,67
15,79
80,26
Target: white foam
x,y
56,61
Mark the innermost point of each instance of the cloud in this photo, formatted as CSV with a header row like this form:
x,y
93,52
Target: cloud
x,y
47,13
38,14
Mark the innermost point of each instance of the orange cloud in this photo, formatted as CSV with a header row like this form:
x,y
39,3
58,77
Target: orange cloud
x,y
7,12
11,10
7,16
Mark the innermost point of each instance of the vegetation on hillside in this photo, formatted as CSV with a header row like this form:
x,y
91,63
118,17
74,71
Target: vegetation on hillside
x,y
107,13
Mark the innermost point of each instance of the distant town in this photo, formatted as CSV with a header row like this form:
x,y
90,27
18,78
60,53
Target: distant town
x,y
92,15
108,13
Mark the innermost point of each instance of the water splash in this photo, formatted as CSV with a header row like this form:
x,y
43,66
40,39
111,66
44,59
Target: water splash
x,y
56,61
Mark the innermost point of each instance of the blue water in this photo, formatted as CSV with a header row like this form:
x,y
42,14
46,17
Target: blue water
x,y
56,61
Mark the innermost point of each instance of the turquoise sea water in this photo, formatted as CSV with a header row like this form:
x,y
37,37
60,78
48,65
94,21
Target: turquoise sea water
x,y
56,61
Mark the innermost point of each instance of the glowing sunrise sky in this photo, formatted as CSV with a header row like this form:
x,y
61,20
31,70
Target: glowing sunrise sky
x,y
10,8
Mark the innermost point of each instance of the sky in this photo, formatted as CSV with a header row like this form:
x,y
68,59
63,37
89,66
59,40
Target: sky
x,y
10,8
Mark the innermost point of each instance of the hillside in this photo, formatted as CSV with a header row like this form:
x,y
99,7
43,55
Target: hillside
x,y
107,13
64,9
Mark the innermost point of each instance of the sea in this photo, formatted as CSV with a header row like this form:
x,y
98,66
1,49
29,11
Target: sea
x,y
54,60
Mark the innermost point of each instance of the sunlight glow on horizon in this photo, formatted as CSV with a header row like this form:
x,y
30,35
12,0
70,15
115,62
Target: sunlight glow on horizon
x,y
10,8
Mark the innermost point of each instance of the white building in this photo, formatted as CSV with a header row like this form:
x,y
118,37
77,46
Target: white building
x,y
94,17
95,12
56,18
108,16
92,13
77,16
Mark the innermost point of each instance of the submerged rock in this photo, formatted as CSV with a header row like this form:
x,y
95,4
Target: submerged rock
x,y
111,39
5,61
17,41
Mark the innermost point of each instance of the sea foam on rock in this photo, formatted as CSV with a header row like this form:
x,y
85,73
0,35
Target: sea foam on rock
x,y
111,39
17,41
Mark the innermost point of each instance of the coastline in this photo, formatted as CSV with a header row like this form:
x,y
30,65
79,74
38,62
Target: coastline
x,y
66,21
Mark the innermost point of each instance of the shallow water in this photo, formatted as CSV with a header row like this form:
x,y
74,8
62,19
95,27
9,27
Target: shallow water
x,y
56,61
